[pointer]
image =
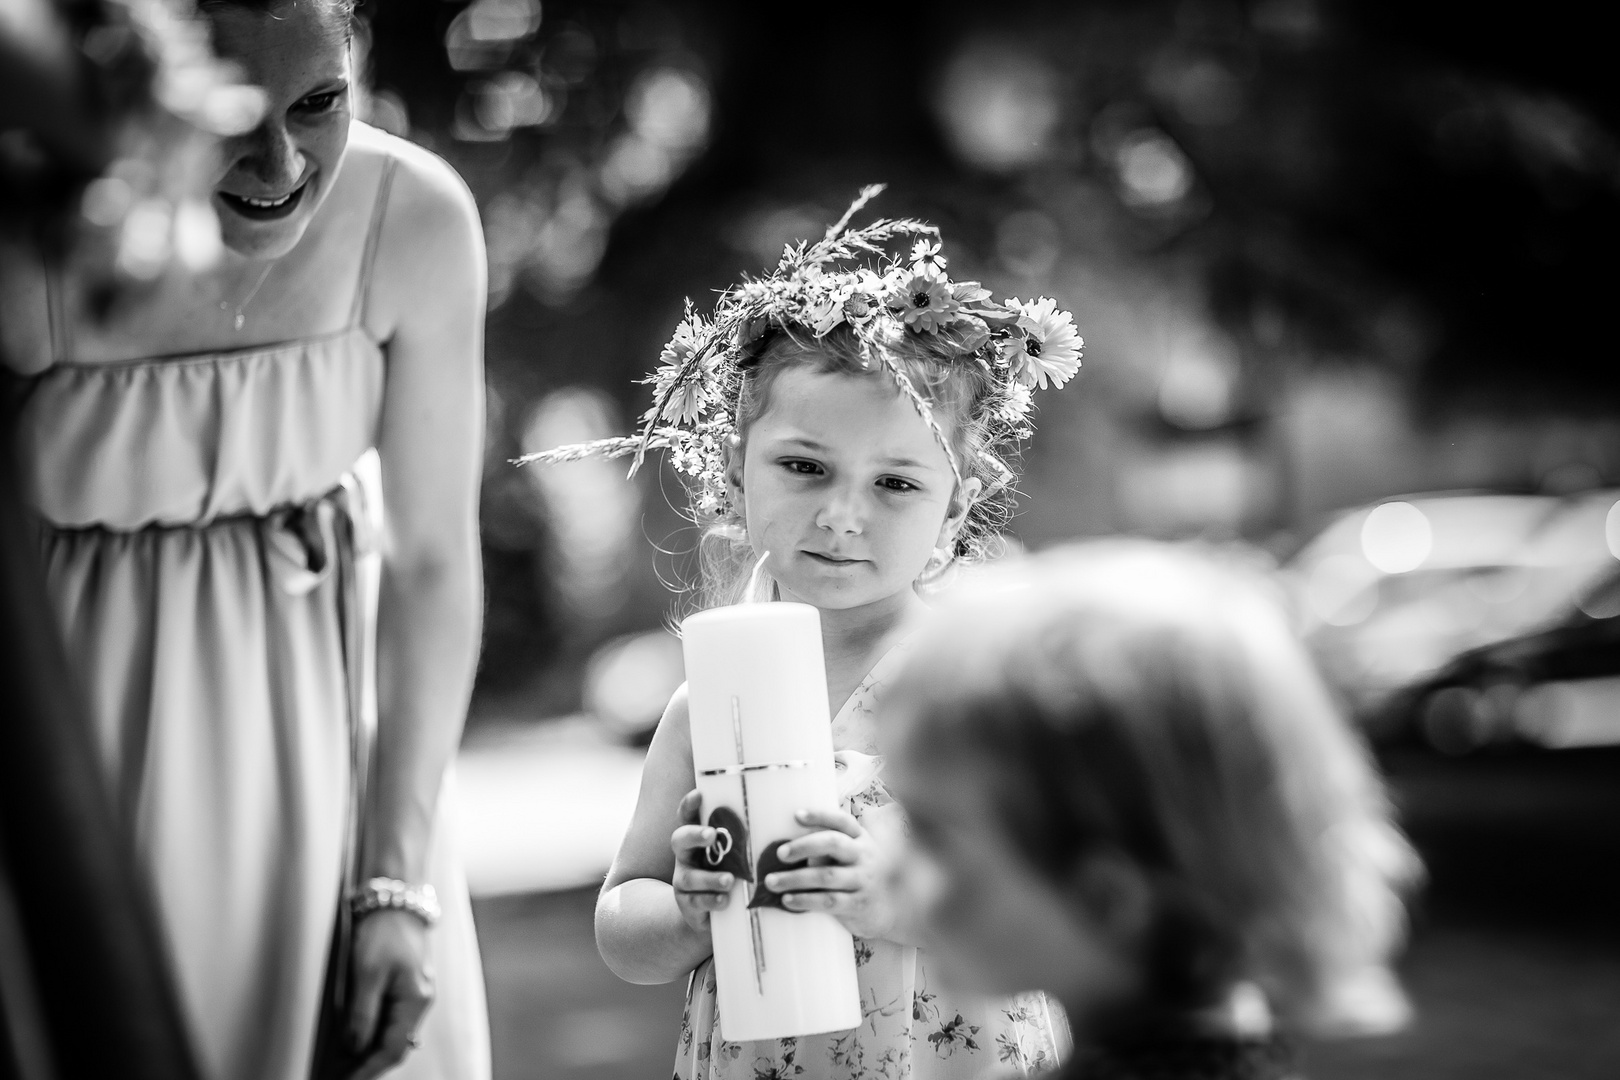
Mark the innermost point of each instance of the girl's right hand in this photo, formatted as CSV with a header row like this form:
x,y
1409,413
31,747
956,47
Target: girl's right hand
x,y
697,891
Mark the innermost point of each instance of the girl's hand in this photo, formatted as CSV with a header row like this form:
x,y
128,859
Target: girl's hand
x,y
393,987
846,876
697,891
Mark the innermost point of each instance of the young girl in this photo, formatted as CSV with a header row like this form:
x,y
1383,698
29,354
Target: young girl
x,y
1126,785
845,427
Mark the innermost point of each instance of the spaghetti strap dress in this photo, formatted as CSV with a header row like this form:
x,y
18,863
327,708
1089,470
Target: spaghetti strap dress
x,y
911,1029
207,525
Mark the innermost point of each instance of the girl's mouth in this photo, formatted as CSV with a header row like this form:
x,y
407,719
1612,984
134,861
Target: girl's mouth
x,y
259,209
832,560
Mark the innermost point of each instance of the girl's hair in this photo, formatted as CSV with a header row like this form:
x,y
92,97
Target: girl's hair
x,y
966,403
1132,699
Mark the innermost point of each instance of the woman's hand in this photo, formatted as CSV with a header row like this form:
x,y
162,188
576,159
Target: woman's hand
x,y
846,876
393,987
697,891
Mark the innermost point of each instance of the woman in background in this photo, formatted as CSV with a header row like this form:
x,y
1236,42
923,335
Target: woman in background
x,y
1127,786
211,535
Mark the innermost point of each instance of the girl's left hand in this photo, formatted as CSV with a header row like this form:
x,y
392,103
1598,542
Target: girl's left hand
x,y
846,876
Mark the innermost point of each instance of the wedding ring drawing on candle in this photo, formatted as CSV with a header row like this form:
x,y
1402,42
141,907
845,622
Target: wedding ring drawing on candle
x,y
733,837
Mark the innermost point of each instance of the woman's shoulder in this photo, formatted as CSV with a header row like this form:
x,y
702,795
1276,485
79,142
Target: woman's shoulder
x,y
425,190
430,245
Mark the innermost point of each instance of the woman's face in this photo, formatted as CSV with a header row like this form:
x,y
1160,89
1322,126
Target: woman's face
x,y
277,175
846,487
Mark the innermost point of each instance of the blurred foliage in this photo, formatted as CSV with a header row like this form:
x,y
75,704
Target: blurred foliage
x,y
1226,192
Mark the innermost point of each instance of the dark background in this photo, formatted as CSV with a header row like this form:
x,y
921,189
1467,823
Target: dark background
x,y
1424,193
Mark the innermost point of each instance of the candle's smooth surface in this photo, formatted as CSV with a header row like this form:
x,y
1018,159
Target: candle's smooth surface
x,y
756,682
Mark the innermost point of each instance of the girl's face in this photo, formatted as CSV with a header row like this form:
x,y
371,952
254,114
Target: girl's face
x,y
277,175
992,923
846,487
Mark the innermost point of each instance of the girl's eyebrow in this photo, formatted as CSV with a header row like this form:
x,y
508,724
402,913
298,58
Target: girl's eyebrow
x,y
890,462
801,440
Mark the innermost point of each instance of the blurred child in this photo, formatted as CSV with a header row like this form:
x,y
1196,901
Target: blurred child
x,y
1126,786
842,427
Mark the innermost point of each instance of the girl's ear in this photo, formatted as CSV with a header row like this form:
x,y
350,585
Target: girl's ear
x,y
966,495
734,468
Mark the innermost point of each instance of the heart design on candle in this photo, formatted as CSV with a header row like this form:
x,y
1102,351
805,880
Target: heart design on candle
x,y
729,851
769,863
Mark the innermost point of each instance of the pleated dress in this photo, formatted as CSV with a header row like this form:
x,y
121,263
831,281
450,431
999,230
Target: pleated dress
x,y
911,1028
207,526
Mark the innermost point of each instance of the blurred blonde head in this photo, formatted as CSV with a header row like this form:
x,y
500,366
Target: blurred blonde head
x,y
1132,705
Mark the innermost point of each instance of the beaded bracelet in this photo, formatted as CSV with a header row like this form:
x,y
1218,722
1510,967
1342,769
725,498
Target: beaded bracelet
x,y
394,894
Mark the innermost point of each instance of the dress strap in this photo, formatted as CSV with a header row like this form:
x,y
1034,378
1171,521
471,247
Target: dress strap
x,y
379,208
60,341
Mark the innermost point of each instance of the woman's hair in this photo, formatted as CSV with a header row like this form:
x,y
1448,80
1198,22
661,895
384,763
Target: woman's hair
x,y
344,8
1145,702
966,403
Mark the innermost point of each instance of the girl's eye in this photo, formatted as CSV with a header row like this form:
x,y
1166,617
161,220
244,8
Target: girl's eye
x,y
320,103
802,468
895,483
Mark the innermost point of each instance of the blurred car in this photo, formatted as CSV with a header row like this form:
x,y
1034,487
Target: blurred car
x,y
1468,620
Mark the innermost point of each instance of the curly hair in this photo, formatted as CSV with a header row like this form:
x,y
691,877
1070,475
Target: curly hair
x,y
966,406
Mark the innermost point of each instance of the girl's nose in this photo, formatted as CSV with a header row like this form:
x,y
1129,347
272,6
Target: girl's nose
x,y
842,513
269,154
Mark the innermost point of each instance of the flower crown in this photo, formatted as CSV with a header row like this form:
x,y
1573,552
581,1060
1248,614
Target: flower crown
x,y
1021,345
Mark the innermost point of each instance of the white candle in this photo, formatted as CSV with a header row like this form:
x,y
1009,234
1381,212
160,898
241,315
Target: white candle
x,y
762,749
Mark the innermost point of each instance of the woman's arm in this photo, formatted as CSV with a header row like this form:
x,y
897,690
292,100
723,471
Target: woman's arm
x,y
642,931
427,303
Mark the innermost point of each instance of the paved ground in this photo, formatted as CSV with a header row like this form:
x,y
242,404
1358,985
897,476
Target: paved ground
x,y
1515,963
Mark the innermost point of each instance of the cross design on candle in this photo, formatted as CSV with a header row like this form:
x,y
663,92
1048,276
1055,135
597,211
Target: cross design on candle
x,y
753,913
727,830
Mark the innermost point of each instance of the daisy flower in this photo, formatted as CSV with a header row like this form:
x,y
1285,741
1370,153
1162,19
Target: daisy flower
x,y
926,253
1049,348
923,301
1015,409
686,403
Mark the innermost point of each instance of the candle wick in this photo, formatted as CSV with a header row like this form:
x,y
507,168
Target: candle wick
x,y
752,595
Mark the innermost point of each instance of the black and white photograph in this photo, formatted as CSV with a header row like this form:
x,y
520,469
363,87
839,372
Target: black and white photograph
x,y
624,539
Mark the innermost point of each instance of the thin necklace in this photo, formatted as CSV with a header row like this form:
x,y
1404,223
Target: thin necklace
x,y
237,318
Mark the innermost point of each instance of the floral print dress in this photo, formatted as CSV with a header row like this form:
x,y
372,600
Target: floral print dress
x,y
911,1029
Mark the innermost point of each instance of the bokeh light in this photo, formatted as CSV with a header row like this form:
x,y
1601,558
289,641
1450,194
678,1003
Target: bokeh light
x,y
629,680
1153,171
1396,537
591,509
998,105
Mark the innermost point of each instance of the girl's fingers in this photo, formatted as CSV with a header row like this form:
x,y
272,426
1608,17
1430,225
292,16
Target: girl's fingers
x,y
822,845
690,806
690,880
837,820
706,901
690,837
835,878
833,903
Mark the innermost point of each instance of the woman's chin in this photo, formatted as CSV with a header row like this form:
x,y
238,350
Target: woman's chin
x,y
258,242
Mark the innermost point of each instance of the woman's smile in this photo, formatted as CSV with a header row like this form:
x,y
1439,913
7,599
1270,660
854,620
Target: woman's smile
x,y
265,208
